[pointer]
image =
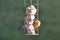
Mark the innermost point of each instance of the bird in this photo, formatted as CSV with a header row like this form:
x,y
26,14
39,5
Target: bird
x,y
36,24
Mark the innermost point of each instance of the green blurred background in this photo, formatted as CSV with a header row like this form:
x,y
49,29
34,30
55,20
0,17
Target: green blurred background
x,y
12,16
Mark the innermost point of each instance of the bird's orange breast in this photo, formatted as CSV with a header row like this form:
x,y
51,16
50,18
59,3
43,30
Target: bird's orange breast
x,y
35,24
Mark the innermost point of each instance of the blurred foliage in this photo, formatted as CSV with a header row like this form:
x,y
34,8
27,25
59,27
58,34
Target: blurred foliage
x,y
12,16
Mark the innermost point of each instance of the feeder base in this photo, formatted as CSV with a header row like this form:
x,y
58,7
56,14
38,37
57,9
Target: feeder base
x,y
31,34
